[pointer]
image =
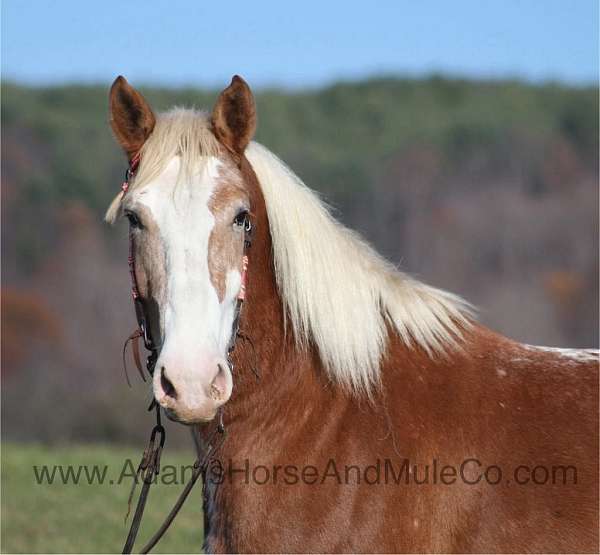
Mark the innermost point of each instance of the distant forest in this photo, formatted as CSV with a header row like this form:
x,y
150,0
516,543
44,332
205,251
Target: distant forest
x,y
488,189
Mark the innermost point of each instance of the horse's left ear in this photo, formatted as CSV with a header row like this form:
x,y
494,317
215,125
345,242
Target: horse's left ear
x,y
234,116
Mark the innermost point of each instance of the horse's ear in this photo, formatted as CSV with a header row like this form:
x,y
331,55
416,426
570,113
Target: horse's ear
x,y
234,116
131,117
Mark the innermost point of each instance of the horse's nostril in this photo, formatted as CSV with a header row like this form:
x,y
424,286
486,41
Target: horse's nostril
x,y
219,384
166,384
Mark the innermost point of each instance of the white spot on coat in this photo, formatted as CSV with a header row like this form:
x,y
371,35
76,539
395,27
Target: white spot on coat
x,y
576,355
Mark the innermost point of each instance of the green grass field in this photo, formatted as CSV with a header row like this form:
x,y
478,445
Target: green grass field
x,y
88,518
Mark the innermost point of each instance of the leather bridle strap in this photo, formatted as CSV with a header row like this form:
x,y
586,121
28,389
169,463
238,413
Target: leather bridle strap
x,y
198,469
142,331
149,466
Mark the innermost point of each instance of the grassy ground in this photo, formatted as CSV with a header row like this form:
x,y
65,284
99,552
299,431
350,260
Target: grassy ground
x,y
84,517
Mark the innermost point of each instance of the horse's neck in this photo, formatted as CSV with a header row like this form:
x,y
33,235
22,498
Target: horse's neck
x,y
269,368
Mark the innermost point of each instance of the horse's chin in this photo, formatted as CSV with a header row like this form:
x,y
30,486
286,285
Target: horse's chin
x,y
188,420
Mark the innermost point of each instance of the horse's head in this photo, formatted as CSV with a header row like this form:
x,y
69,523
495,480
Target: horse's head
x,y
188,210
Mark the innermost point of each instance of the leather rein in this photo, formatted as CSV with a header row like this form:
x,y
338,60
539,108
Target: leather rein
x,y
149,466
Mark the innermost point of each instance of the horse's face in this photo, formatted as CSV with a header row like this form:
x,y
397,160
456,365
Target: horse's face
x,y
188,241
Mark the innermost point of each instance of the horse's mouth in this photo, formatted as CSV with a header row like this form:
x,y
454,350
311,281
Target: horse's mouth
x,y
170,414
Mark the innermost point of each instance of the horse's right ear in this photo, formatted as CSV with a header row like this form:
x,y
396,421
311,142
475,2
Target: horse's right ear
x,y
131,117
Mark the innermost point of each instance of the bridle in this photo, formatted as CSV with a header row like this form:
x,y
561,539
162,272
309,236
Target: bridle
x,y
149,466
142,330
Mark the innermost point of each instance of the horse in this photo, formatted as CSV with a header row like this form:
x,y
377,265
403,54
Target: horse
x,y
365,410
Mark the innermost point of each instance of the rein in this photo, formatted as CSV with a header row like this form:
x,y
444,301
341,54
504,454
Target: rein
x,y
149,466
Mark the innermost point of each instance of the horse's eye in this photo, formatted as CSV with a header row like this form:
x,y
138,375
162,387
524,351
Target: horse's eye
x,y
134,221
240,219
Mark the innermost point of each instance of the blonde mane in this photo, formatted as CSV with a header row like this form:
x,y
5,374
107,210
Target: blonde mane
x,y
339,293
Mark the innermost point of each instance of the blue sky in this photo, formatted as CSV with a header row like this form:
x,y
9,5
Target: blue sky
x,y
297,44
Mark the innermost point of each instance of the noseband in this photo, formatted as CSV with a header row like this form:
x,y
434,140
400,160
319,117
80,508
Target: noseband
x,y
149,466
